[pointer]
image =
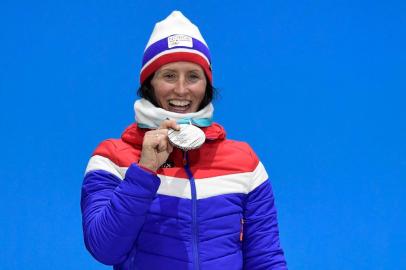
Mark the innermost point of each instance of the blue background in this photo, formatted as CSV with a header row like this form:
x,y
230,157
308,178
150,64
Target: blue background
x,y
316,87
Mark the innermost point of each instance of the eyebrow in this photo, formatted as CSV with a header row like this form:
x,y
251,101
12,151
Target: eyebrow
x,y
173,70
167,69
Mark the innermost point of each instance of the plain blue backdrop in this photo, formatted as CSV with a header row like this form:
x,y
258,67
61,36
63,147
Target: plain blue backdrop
x,y
316,87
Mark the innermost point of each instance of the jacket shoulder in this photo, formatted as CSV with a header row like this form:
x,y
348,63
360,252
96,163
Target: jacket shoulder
x,y
244,151
230,156
118,151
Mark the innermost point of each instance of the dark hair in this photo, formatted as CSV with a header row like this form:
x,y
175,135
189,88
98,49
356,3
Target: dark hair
x,y
147,91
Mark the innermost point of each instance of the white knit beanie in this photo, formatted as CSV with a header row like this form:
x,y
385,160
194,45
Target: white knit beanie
x,y
175,39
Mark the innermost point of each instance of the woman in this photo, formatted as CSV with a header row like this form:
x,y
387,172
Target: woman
x,y
147,204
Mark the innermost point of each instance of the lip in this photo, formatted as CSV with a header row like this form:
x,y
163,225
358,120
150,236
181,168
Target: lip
x,y
179,109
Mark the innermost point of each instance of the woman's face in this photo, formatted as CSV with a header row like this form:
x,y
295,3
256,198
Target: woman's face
x,y
179,87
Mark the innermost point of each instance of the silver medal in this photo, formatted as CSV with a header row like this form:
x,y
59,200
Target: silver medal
x,y
187,138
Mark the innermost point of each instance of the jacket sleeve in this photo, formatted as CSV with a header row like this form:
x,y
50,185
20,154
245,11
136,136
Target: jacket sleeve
x,y
261,246
114,206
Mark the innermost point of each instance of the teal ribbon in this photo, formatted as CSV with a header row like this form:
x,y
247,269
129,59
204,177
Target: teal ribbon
x,y
200,122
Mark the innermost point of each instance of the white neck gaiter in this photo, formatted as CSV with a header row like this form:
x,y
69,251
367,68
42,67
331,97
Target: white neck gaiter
x,y
149,116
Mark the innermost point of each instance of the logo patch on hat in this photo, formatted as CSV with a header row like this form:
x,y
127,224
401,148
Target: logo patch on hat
x,y
180,41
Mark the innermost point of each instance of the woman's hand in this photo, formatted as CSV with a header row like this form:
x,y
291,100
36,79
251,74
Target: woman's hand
x,y
156,147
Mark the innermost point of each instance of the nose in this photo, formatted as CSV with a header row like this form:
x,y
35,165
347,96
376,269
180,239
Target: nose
x,y
181,87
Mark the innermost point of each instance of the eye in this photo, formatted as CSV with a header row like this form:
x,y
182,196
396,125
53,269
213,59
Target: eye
x,y
193,77
169,76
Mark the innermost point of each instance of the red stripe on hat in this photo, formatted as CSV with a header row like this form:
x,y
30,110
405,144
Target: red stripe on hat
x,y
176,57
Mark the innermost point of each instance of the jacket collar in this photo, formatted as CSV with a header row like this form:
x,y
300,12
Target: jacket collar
x,y
134,135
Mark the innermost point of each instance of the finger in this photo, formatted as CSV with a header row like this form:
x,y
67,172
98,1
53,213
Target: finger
x,y
169,148
169,124
151,139
162,143
162,131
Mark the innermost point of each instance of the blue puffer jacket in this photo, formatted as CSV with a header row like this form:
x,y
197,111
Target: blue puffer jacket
x,y
213,208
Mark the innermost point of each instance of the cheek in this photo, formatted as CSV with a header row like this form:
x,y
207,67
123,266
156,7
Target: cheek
x,y
200,91
161,90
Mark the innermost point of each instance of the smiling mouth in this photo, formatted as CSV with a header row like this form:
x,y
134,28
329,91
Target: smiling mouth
x,y
179,106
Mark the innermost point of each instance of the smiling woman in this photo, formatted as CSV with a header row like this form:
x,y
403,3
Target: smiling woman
x,y
147,91
179,87
173,192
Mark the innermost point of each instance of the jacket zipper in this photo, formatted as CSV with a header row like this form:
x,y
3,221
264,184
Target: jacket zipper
x,y
195,249
242,230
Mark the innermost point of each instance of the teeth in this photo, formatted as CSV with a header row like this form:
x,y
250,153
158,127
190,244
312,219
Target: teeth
x,y
175,102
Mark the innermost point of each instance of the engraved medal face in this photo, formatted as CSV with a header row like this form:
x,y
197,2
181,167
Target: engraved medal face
x,y
187,138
